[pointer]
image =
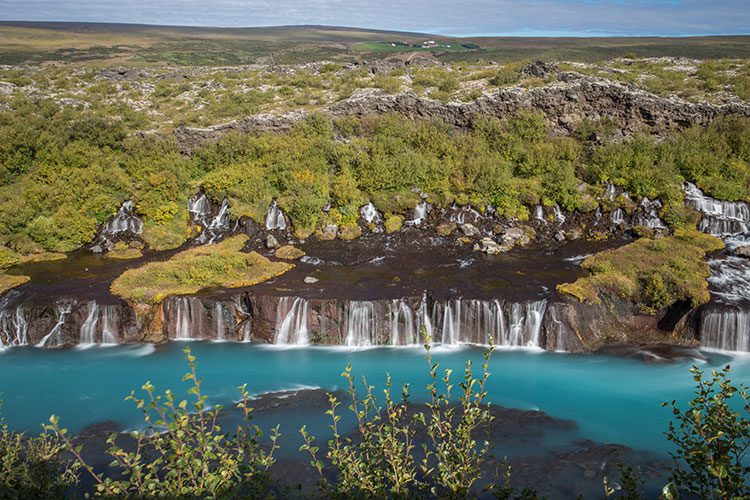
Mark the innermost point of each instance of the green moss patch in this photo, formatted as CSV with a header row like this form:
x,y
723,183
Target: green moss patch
x,y
652,272
8,281
220,265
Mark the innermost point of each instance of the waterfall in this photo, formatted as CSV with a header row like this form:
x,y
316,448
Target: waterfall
x,y
462,215
559,215
720,218
219,224
610,192
370,214
362,324
200,209
558,334
424,319
420,213
88,328
243,311
618,216
727,329
462,321
14,325
124,221
539,214
52,339
275,217
184,311
291,321
402,325
650,215
110,325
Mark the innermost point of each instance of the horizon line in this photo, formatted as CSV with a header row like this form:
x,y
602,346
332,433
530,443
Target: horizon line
x,y
436,33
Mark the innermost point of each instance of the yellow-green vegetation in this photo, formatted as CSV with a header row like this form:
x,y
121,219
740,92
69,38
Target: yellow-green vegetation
x,y
123,251
187,272
289,252
653,272
393,223
8,281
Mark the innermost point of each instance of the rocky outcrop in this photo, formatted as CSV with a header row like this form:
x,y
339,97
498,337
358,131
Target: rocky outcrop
x,y
565,103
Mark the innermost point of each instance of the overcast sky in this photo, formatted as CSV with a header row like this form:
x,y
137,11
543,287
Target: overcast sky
x,y
449,17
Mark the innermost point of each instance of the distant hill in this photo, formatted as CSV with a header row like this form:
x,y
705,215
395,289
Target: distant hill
x,y
22,42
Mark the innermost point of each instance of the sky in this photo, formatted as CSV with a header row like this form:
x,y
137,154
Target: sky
x,y
445,17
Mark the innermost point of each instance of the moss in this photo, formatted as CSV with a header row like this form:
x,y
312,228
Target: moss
x,y
350,232
124,254
8,281
43,257
8,258
446,228
289,252
393,223
187,272
652,272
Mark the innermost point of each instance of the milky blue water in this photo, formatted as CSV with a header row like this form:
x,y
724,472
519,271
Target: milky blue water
x,y
613,400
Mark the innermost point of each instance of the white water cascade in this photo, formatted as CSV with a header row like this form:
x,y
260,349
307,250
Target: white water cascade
x,y
725,324
183,307
362,324
402,324
52,339
275,217
124,221
539,214
462,215
618,216
243,311
720,218
14,323
727,329
292,322
420,214
200,209
88,328
110,320
650,215
559,215
464,321
370,214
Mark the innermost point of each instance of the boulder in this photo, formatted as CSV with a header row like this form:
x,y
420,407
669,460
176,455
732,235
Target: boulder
x,y
469,230
743,251
446,228
272,242
490,247
289,252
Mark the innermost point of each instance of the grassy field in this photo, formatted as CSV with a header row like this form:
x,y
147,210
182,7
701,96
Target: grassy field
x,y
108,43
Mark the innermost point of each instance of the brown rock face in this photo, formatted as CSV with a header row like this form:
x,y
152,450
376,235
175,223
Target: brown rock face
x,y
565,103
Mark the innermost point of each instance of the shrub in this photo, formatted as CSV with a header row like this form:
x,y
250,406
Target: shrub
x,y
712,436
184,452
384,459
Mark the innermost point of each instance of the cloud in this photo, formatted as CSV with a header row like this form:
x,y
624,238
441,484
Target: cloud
x,y
625,17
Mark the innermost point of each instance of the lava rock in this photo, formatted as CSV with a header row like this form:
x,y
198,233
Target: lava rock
x,y
272,242
469,230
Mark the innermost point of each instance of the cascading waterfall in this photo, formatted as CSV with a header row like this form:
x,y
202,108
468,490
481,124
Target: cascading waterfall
x,y
727,328
124,221
291,321
275,217
184,312
199,208
618,216
650,215
110,325
362,324
559,215
14,324
539,214
52,339
420,214
88,328
219,225
243,311
462,321
462,215
720,218
402,323
370,214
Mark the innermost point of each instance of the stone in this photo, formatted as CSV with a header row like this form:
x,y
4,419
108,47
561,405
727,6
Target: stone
x,y
490,247
272,242
328,233
743,251
539,69
289,252
469,230
559,236
446,228
310,280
